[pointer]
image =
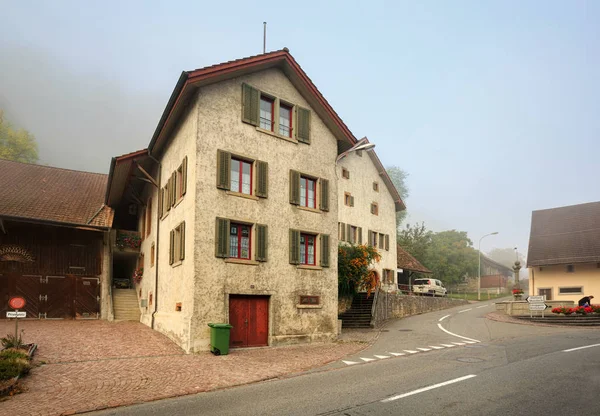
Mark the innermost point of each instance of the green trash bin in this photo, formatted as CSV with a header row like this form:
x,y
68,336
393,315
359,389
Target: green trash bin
x,y
219,338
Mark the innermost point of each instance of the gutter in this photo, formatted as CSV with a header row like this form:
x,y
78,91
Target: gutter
x,y
157,249
55,223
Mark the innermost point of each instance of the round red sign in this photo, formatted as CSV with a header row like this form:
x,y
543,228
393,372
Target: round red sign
x,y
17,302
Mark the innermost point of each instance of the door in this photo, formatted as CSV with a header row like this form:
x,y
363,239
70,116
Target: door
x,y
57,298
28,286
249,316
87,298
545,292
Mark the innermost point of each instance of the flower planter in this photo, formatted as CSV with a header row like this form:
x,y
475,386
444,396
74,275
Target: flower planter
x,y
7,386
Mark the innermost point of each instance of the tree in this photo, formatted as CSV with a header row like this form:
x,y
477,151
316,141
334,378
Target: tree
x,y
398,177
416,239
17,144
353,268
505,256
451,256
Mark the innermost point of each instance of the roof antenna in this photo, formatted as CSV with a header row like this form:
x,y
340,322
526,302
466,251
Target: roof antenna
x,y
264,37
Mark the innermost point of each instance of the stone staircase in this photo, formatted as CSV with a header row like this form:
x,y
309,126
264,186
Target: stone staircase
x,y
359,314
125,303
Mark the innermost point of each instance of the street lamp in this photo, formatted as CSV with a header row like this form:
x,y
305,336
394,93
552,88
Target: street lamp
x,y
362,144
479,268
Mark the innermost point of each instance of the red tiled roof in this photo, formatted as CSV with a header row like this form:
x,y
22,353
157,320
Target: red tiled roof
x,y
48,194
408,262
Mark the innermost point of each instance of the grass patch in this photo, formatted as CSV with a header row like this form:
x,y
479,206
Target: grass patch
x,y
473,296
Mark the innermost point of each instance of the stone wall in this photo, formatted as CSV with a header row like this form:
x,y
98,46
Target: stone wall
x,y
521,307
344,303
393,305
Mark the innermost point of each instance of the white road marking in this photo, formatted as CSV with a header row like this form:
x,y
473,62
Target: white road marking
x,y
483,306
581,348
456,335
397,354
443,317
470,342
436,347
459,343
448,345
367,359
465,310
349,362
424,389
411,352
381,357
424,349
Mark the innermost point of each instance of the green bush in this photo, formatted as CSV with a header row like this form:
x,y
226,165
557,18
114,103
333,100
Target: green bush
x,y
10,341
13,353
10,368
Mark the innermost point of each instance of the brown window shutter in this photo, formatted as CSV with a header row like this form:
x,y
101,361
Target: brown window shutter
x,y
324,250
294,246
349,233
221,238
359,235
261,242
351,201
342,233
324,201
387,242
172,247
167,194
223,170
250,104
294,187
370,240
184,176
262,179
173,188
182,242
160,203
303,125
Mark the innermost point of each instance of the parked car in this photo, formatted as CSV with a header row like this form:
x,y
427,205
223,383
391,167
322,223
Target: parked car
x,y
432,287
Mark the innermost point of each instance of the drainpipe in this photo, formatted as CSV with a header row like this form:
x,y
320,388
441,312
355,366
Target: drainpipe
x,y
157,249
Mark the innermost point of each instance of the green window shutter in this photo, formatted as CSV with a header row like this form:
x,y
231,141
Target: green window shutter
x,y
172,247
173,188
303,125
351,201
294,246
359,235
250,104
324,250
370,241
324,201
294,187
342,233
349,233
184,176
387,242
160,203
223,170
262,179
167,195
221,238
182,242
261,242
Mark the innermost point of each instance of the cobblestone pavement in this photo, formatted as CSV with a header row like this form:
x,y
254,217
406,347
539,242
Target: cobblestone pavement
x,y
91,365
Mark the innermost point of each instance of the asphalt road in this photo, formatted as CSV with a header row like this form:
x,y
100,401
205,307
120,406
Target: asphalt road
x,y
500,369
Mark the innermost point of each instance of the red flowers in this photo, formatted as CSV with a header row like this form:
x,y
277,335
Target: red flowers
x,y
580,310
517,291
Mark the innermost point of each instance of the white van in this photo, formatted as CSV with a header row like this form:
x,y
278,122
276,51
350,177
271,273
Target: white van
x,y
432,287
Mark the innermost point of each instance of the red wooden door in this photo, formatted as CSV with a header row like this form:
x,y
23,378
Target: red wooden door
x,y
249,316
87,298
58,304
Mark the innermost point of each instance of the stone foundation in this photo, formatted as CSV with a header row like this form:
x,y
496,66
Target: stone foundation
x,y
521,307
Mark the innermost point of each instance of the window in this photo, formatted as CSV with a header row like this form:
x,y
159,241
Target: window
x,y
241,176
353,234
267,106
152,255
348,199
570,290
345,173
570,268
174,189
388,276
374,208
545,292
239,241
177,244
381,240
309,300
308,193
149,217
307,249
285,120
373,238
376,186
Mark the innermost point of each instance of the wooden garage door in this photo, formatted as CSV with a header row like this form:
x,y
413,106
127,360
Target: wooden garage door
x,y
249,316
58,303
28,286
87,298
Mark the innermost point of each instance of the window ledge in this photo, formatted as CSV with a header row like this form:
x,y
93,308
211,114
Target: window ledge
x,y
315,210
177,263
165,215
241,195
309,306
243,261
307,267
177,202
271,133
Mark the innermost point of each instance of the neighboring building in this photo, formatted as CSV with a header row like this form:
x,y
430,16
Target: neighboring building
x,y
238,202
54,246
564,252
494,276
408,267
367,205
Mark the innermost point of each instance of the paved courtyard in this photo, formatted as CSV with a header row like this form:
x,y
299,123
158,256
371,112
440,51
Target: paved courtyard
x,y
90,365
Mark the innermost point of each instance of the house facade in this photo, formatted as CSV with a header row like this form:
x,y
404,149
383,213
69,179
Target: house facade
x,y
563,260
367,205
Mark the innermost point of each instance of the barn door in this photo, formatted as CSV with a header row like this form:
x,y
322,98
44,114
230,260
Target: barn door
x,y
249,316
28,286
56,299
87,298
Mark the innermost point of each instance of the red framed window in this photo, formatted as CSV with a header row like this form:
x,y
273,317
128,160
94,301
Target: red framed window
x,y
240,241
267,110
241,176
307,249
285,120
308,195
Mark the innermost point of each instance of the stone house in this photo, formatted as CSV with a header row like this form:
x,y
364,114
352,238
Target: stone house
x,y
238,197
564,252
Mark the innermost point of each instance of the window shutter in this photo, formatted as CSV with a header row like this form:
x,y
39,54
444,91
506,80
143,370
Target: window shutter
x,y
294,246
262,179
303,122
182,242
250,104
349,233
261,242
160,203
351,201
359,235
173,188
342,232
324,202
221,240
223,170
167,195
184,176
387,242
172,247
294,187
324,250
370,241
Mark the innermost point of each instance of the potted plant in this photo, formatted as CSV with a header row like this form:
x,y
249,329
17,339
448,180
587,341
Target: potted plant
x,y
517,293
137,275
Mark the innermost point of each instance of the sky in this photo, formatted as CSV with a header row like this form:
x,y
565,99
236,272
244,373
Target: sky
x,y
491,107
